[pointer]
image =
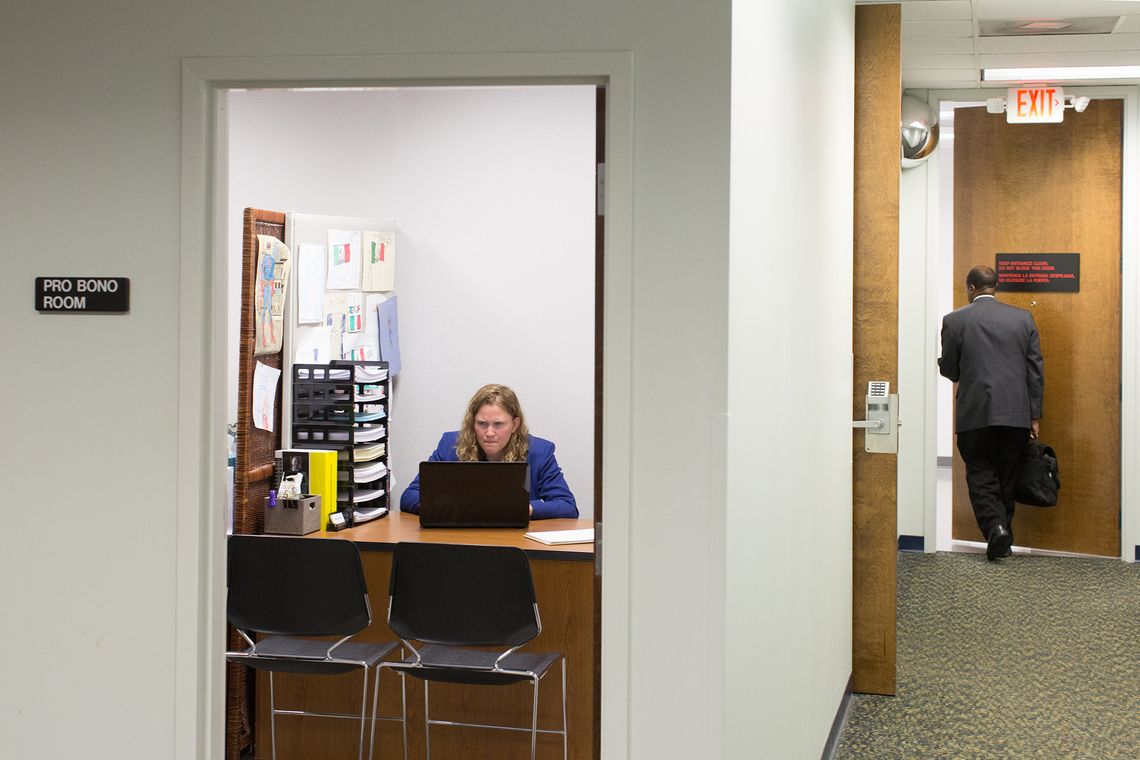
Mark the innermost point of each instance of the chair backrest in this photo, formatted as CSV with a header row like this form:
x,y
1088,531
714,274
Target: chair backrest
x,y
293,586
462,595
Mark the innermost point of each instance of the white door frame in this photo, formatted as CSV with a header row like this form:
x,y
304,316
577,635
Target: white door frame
x,y
200,603
1129,314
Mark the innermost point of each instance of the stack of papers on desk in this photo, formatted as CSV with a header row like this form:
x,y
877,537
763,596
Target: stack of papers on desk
x,y
368,472
364,515
558,537
364,453
362,495
370,393
369,374
363,434
370,416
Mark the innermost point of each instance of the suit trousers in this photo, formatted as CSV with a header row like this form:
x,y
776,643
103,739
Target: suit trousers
x,y
993,457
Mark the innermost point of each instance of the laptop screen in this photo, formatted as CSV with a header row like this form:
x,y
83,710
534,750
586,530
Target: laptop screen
x,y
474,494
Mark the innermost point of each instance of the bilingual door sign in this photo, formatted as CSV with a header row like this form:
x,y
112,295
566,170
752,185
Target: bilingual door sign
x,y
1035,105
1039,272
83,294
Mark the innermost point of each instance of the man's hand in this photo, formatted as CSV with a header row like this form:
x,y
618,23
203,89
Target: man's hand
x,y
1034,429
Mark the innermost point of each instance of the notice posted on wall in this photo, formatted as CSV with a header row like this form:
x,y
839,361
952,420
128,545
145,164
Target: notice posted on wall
x,y
1039,272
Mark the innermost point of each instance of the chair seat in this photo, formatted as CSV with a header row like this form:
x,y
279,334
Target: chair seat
x,y
293,654
463,665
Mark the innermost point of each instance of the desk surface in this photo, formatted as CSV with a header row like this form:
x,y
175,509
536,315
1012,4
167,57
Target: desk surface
x,y
385,533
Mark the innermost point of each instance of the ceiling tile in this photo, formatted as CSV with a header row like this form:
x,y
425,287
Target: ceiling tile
x,y
1076,58
1050,8
936,10
940,77
933,61
925,30
947,45
1048,44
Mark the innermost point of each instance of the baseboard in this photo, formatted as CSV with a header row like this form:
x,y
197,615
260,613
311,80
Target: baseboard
x,y
912,544
836,733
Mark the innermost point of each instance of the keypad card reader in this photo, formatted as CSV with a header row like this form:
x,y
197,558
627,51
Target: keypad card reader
x,y
881,423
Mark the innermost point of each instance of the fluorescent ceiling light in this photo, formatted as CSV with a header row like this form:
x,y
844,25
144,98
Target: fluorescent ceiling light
x,y
1060,73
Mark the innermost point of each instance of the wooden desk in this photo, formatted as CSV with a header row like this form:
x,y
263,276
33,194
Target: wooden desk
x,y
563,581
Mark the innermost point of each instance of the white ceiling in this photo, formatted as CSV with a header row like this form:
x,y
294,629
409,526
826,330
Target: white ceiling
x,y
942,47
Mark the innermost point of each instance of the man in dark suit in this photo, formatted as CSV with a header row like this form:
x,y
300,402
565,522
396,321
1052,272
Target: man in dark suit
x,y
991,350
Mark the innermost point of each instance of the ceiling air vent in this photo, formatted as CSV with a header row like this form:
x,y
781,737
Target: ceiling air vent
x,y
1024,27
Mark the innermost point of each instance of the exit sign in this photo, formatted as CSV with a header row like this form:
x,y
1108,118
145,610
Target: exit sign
x,y
1035,105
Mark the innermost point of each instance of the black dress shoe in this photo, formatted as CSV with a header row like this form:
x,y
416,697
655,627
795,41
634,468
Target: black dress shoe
x,y
999,543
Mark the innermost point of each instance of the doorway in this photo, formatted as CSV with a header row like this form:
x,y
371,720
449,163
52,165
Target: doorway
x,y
201,550
1043,189
491,195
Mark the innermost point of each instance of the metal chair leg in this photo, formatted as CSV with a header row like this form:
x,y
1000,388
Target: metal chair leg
x,y
565,741
427,724
272,719
534,717
375,701
363,716
404,711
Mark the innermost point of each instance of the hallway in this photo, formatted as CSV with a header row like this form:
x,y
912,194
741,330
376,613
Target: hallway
x,y
1030,657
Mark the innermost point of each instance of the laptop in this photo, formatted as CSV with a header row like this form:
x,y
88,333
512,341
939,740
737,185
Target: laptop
x,y
474,494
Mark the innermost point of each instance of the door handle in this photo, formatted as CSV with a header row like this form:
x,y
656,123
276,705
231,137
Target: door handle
x,y
881,425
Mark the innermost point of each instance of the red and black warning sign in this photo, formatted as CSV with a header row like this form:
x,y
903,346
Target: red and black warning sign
x,y
1039,272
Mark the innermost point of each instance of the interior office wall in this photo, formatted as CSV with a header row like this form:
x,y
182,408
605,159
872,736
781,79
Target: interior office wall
x,y
789,529
914,332
946,285
493,192
92,183
925,294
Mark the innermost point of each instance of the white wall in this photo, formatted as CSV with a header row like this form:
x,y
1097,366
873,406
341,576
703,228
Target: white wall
x,y
91,148
912,359
945,282
788,521
493,192
926,268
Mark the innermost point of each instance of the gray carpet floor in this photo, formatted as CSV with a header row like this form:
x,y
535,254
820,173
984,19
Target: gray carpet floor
x,y
1028,657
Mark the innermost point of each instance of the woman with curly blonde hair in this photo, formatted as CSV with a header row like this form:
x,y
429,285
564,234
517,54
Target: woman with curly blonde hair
x,y
494,430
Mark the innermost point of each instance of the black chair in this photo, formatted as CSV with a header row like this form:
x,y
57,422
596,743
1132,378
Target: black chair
x,y
287,589
451,598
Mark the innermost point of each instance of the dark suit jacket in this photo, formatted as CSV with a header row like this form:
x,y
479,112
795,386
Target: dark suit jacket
x,y
992,351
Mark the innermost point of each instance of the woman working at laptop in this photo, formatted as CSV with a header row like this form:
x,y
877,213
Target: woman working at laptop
x,y
494,430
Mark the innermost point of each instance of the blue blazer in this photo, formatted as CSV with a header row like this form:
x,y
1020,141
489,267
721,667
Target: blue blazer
x,y
551,495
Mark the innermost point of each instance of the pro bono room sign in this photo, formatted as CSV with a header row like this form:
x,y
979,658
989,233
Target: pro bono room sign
x,y
83,294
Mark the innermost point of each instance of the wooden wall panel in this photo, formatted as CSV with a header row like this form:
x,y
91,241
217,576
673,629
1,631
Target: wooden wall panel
x,y
878,98
1054,188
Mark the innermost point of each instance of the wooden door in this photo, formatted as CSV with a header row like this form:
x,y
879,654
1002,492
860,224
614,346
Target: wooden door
x,y
1054,188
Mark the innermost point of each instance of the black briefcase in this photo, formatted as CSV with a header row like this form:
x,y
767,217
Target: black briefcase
x,y
1039,478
